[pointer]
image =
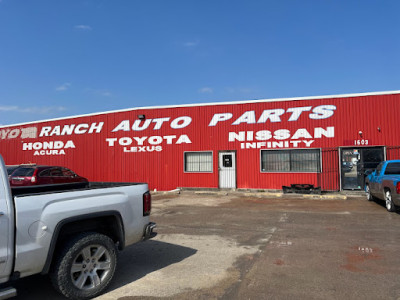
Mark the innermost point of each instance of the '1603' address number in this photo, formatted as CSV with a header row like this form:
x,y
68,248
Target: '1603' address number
x,y
360,142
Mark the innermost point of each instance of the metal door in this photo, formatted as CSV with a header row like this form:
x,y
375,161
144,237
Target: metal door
x,y
227,170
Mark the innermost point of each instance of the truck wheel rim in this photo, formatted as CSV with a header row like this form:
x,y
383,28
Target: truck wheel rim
x,y
368,192
90,267
388,201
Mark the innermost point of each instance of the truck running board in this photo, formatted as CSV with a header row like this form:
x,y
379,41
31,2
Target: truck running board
x,y
8,293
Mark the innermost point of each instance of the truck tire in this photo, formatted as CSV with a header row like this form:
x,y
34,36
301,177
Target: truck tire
x,y
389,202
368,192
85,266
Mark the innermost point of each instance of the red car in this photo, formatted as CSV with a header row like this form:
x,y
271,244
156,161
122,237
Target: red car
x,y
38,175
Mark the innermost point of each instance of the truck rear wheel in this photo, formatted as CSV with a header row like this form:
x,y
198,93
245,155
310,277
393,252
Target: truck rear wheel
x,y
85,266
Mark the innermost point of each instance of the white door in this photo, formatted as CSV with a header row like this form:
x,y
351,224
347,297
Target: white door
x,y
227,170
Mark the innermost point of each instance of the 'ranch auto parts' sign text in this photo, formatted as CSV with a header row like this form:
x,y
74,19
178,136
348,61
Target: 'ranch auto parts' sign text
x,y
280,138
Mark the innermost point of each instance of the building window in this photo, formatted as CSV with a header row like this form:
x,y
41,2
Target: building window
x,y
198,161
298,160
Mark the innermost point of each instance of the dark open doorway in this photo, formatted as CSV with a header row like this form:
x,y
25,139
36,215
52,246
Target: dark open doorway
x,y
354,163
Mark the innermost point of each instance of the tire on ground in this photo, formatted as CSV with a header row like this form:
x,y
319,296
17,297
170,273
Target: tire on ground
x,y
368,192
85,266
389,202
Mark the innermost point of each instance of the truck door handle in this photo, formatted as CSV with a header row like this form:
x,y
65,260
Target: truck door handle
x,y
1,213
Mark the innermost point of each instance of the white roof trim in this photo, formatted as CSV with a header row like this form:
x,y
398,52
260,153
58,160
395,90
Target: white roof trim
x,y
212,104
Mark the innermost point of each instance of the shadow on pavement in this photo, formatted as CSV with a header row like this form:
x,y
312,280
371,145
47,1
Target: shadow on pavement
x,y
134,263
141,259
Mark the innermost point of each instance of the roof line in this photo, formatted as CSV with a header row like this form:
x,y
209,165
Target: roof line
x,y
213,104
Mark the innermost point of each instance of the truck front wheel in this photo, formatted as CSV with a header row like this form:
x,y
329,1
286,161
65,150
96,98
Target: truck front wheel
x,y
368,192
85,266
389,202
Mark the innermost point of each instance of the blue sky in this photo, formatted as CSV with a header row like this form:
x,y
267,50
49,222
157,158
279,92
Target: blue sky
x,y
63,58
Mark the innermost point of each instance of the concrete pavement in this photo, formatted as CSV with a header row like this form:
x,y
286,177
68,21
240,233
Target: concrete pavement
x,y
239,246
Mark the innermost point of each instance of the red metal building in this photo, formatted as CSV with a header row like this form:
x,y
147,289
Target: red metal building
x,y
327,141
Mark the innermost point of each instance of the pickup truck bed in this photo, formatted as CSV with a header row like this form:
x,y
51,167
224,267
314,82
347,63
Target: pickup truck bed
x,y
64,187
71,231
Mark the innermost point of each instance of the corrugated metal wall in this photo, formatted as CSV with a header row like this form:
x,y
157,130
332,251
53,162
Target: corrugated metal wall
x,y
393,152
156,154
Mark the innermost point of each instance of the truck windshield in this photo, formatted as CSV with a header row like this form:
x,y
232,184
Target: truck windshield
x,y
393,169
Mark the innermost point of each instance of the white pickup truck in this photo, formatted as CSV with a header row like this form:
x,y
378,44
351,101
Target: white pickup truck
x,y
70,231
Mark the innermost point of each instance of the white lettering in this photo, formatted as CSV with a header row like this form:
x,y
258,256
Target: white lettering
x,y
263,135
136,125
4,133
185,122
272,114
57,146
124,125
140,140
308,143
95,127
14,134
68,129
48,145
26,146
169,138
55,131
329,132
301,133
37,145
111,141
45,131
296,112
248,117
322,112
219,117
155,140
69,144
240,136
183,139
159,122
143,149
281,134
29,132
81,128
49,152
125,141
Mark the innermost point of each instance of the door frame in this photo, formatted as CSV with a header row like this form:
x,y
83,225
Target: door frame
x,y
354,147
219,170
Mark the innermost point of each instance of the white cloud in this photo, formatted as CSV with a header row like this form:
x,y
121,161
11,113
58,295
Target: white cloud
x,y
32,110
239,90
206,90
191,44
105,93
83,27
65,86
100,92
8,108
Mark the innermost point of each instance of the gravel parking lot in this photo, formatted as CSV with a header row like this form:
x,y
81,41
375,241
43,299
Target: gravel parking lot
x,y
244,246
